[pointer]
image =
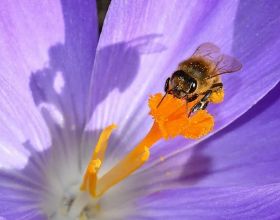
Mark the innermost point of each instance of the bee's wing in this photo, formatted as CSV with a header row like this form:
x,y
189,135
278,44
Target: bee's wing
x,y
224,63
207,50
227,64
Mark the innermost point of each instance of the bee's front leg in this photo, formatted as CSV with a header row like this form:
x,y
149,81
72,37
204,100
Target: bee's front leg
x,y
201,104
192,98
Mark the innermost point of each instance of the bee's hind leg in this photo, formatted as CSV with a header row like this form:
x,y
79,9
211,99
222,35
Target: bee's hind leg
x,y
217,86
202,104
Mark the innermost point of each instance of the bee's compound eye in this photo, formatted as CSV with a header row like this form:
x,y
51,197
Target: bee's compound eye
x,y
193,85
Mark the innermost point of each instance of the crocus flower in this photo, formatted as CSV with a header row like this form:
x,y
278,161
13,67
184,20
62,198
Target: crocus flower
x,y
57,95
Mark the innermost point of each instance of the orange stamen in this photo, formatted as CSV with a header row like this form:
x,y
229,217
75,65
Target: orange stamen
x,y
90,177
170,120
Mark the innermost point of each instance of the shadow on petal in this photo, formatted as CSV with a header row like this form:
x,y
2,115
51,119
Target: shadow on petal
x,y
269,100
70,64
60,90
194,170
116,67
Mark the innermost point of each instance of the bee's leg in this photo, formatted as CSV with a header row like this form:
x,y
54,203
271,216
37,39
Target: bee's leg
x,y
166,86
202,104
217,86
192,98
206,96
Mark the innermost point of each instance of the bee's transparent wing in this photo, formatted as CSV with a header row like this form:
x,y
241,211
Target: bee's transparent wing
x,y
227,64
207,50
224,63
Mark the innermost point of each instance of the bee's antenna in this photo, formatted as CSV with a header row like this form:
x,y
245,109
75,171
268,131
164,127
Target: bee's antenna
x,y
187,103
161,100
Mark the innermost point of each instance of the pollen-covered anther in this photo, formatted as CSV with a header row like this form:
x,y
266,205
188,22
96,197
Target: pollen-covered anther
x,y
172,118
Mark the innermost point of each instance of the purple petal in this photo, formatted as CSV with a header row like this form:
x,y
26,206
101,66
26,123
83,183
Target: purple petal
x,y
46,62
258,51
47,56
31,214
142,43
17,202
259,202
247,152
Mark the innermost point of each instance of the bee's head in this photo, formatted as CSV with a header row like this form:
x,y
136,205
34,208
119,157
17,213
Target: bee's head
x,y
181,84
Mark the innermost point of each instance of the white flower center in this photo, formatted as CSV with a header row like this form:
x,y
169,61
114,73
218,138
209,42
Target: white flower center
x,y
115,204
65,201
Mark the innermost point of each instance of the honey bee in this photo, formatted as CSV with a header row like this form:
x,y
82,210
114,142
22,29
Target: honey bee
x,y
198,77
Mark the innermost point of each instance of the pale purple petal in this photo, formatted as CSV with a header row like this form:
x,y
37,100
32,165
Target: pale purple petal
x,y
257,48
25,43
247,152
142,43
47,53
46,62
259,202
